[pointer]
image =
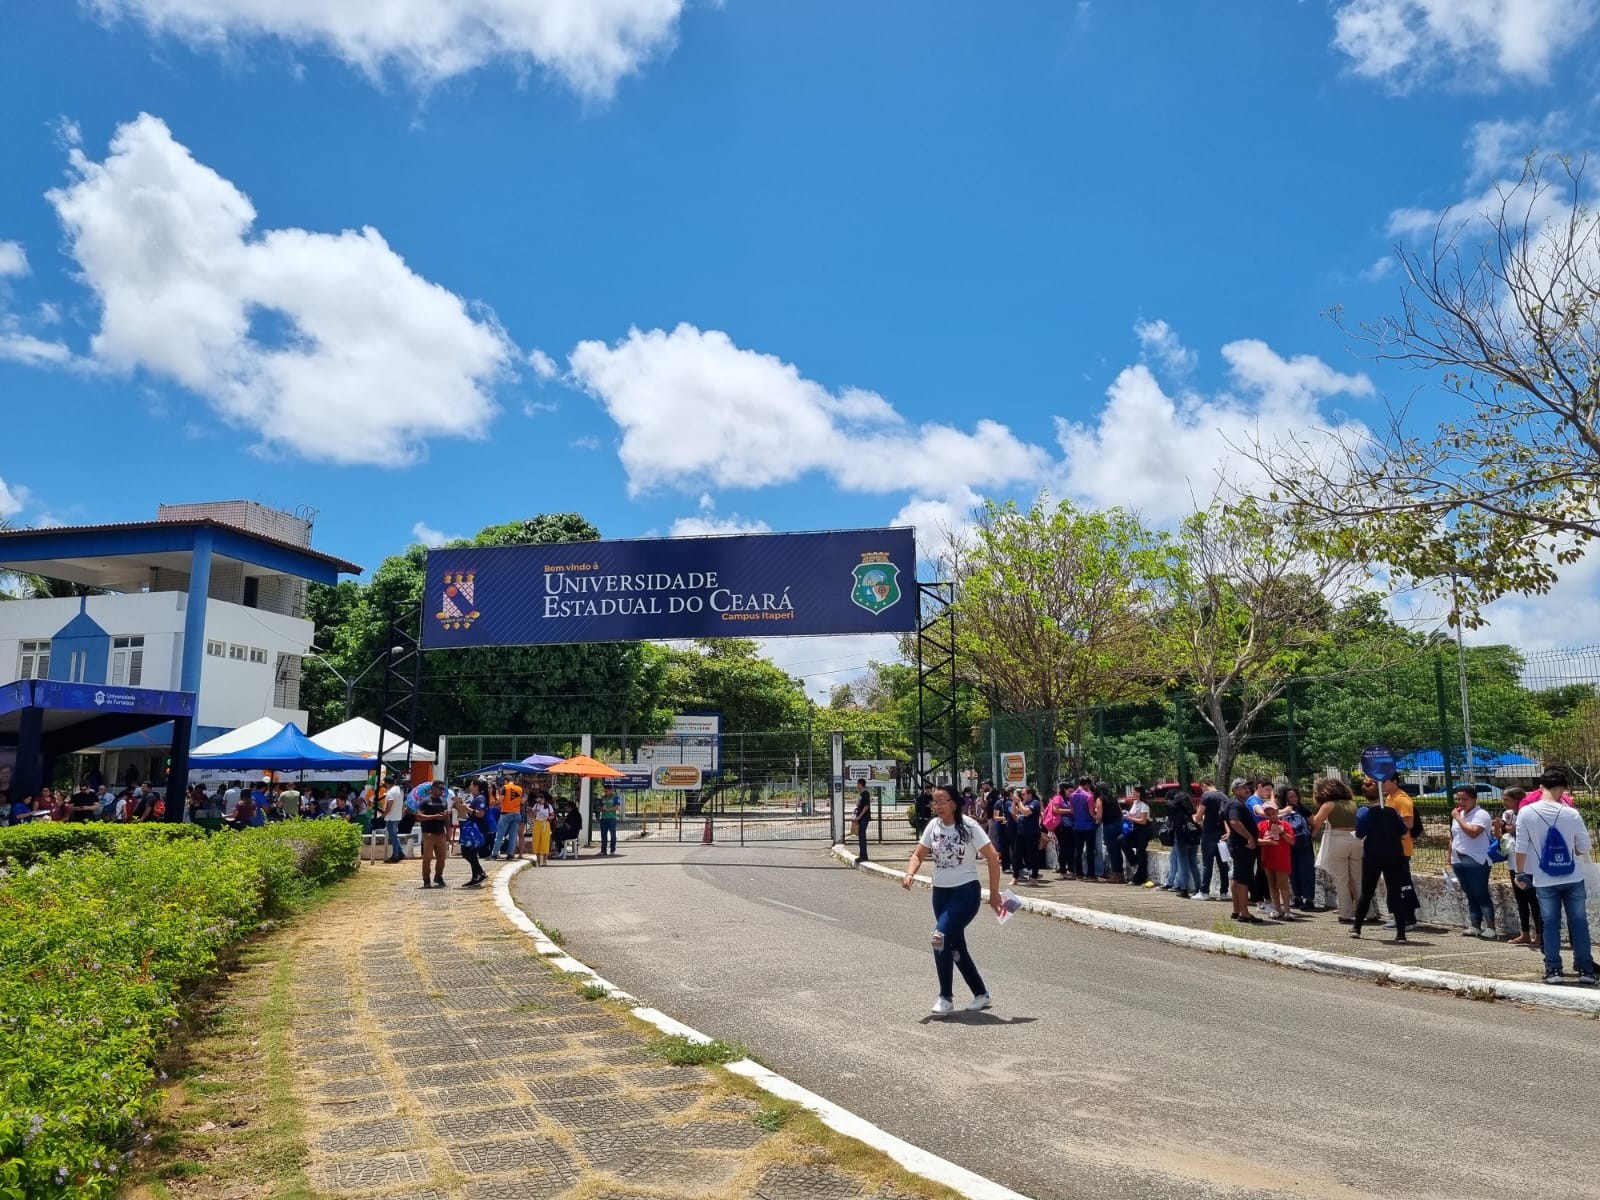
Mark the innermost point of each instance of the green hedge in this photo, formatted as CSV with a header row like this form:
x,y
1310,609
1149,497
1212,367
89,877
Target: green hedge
x,y
21,845
98,949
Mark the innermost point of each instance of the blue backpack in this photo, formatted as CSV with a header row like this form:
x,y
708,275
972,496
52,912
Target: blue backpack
x,y
1556,856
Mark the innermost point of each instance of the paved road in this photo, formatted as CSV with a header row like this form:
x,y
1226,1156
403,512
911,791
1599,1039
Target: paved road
x,y
1109,1067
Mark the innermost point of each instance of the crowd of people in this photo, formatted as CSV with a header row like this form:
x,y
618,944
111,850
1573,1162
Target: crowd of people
x,y
1263,845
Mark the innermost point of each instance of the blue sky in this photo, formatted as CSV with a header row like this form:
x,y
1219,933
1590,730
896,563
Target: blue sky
x,y
694,266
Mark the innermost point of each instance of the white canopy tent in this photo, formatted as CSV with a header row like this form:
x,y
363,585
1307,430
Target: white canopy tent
x,y
358,737
241,738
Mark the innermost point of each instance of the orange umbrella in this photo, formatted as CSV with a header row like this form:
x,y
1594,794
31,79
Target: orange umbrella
x,y
588,768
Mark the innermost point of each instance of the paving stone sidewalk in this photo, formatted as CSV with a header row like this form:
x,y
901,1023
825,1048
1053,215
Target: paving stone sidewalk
x,y
438,1058
1434,947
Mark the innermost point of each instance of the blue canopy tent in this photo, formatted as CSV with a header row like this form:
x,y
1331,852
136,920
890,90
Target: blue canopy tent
x,y
541,762
287,750
499,768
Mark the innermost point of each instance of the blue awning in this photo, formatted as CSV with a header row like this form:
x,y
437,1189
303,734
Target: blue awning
x,y
1432,760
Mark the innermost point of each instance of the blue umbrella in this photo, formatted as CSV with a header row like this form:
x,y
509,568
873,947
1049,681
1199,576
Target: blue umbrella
x,y
499,768
540,762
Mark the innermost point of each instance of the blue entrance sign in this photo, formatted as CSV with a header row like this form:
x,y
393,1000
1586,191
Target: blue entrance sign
x,y
750,585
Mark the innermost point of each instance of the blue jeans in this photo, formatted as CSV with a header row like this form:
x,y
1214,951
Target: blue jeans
x,y
608,837
1303,876
1187,856
508,833
1113,841
1474,880
393,830
953,910
1568,898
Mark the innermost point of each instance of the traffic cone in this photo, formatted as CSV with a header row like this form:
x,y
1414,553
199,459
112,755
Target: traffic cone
x,y
705,838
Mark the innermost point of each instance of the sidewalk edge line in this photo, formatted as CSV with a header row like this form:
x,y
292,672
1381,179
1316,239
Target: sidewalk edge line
x,y
1541,995
841,1120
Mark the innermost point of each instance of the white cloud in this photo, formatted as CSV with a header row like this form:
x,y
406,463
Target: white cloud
x,y
326,345
13,260
706,523
1162,455
1161,343
430,537
587,442
935,521
543,365
1380,270
10,501
695,410
536,408
590,44
1481,41
822,663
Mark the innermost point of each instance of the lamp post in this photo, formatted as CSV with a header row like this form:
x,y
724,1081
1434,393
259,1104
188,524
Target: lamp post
x,y
350,683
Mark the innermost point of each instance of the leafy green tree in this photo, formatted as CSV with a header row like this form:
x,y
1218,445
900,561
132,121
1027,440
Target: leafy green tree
x,y
1239,608
730,676
1049,613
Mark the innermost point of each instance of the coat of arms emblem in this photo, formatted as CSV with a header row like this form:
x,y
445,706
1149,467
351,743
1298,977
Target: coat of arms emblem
x,y
877,583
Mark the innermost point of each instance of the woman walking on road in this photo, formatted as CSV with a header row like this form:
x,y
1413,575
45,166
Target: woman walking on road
x,y
955,843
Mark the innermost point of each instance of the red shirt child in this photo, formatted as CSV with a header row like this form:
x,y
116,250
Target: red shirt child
x,y
1275,839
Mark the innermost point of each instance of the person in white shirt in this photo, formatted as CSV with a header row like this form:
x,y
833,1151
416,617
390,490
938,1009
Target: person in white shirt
x,y
1470,837
394,809
1552,846
955,843
230,800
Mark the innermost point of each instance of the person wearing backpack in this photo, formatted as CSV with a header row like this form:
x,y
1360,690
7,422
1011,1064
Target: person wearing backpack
x,y
1552,844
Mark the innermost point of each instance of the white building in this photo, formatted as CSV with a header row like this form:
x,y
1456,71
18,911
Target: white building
x,y
251,636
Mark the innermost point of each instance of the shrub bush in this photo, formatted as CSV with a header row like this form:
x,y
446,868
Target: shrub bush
x,y
97,950
21,845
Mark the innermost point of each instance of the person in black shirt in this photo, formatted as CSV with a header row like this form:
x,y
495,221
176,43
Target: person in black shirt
x,y
1110,831
863,816
1240,823
1211,832
1382,831
433,814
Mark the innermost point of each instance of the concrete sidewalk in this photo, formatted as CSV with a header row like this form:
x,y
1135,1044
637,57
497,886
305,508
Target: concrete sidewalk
x,y
438,1058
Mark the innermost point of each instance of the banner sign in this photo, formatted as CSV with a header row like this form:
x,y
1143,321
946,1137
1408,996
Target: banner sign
x,y
1013,769
748,585
94,697
873,770
676,777
694,738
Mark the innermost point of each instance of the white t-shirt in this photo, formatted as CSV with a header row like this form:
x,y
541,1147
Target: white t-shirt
x,y
955,861
1474,848
1533,827
394,804
230,801
1138,808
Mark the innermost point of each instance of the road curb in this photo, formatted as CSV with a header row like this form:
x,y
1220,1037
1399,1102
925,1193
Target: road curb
x,y
840,1120
1480,987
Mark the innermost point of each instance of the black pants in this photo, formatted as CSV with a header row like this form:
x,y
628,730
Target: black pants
x,y
861,839
1067,842
1259,891
1529,918
1210,857
1001,837
1138,849
469,855
1085,840
1026,854
1395,877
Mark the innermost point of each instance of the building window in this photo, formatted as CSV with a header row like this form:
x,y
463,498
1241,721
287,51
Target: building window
x,y
258,655
33,662
78,666
217,649
238,653
127,661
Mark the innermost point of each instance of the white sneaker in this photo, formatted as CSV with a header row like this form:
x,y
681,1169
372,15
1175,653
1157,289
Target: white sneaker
x,y
942,1007
979,1003
1201,896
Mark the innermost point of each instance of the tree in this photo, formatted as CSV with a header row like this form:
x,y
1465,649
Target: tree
x,y
1576,744
1240,607
1505,304
730,676
1049,613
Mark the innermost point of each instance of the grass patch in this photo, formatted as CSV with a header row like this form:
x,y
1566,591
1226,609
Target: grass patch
x,y
528,1006
685,1052
551,932
773,1118
594,991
